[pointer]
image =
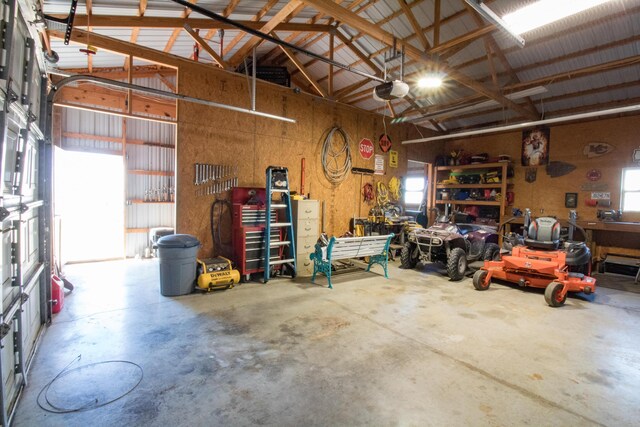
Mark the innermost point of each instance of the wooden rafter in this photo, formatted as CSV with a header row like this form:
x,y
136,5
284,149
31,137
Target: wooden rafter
x,y
491,45
174,35
135,32
631,61
345,91
112,21
548,100
89,7
597,20
91,95
300,41
436,22
292,7
330,72
358,53
378,33
139,71
226,12
552,79
165,81
122,47
203,43
307,75
258,16
576,54
417,29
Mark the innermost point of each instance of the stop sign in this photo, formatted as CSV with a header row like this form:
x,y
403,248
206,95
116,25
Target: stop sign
x,y
366,148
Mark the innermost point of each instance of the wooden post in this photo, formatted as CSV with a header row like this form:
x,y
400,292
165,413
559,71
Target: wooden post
x,y
130,80
331,37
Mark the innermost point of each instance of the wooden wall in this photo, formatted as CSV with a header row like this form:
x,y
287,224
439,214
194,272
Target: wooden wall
x,y
213,135
546,195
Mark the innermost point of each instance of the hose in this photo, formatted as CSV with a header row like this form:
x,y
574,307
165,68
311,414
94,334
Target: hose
x,y
215,236
368,192
337,175
93,402
382,194
395,188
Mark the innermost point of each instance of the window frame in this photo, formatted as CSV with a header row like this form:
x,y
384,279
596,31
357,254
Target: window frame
x,y
623,192
422,192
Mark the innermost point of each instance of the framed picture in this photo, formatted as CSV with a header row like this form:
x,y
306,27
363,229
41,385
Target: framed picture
x,y
535,146
571,200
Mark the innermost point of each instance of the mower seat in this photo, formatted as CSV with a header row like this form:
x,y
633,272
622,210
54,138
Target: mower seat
x,y
543,233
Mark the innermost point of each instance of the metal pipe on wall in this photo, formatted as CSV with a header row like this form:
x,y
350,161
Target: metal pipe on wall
x,y
177,96
591,114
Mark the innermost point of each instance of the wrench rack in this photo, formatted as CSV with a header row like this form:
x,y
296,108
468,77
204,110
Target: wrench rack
x,y
214,179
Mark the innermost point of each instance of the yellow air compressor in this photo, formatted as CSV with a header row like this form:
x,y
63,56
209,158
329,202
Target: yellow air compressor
x,y
216,273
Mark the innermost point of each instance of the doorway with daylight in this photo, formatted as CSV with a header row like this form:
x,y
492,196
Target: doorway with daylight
x,y
89,206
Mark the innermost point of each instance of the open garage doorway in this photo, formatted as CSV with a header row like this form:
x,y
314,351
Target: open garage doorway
x,y
89,206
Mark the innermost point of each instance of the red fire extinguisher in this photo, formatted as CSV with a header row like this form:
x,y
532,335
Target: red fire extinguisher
x,y
57,293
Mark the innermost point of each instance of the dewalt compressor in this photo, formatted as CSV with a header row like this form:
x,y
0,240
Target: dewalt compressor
x,y
216,273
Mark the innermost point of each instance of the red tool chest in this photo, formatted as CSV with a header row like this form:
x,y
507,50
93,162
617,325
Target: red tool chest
x,y
248,230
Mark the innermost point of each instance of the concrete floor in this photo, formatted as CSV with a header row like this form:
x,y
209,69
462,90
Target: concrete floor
x,y
412,350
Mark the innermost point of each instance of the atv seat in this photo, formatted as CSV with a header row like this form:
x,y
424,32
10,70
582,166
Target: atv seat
x,y
466,228
543,233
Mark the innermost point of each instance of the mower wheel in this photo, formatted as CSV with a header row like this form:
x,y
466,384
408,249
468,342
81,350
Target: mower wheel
x,y
407,260
552,294
457,264
479,280
491,252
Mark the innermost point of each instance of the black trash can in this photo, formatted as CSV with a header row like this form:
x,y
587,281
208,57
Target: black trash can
x,y
177,255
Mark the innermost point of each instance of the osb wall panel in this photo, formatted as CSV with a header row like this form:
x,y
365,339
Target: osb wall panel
x,y
546,195
213,135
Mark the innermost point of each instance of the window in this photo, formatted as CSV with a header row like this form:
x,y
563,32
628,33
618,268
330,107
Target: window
x,y
630,190
414,190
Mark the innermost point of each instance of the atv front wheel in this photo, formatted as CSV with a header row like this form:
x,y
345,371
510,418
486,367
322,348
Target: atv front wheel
x,y
407,260
457,264
553,294
491,252
479,280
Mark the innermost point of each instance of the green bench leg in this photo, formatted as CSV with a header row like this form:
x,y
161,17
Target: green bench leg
x,y
383,260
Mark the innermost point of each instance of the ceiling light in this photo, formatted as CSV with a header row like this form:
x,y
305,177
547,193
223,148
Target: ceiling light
x,y
544,12
430,82
488,14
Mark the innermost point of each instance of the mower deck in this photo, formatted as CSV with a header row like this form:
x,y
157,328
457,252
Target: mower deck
x,y
538,269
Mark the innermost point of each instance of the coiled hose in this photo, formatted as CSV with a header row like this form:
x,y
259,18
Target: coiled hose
x,y
338,173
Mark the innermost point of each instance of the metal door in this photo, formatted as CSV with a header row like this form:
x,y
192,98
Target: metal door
x,y
24,264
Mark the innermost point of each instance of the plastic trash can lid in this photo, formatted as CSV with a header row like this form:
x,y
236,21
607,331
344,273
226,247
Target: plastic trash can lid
x,y
178,241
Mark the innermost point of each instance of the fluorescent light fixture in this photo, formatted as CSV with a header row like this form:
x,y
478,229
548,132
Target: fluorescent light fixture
x,y
490,16
591,114
537,90
543,12
430,82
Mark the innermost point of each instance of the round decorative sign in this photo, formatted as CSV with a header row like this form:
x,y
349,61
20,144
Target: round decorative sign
x,y
366,148
594,175
384,142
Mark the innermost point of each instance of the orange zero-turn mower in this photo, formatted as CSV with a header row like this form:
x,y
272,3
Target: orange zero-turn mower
x,y
544,261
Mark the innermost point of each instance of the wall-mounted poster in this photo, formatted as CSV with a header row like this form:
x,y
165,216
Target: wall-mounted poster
x,y
379,164
571,200
393,159
535,146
